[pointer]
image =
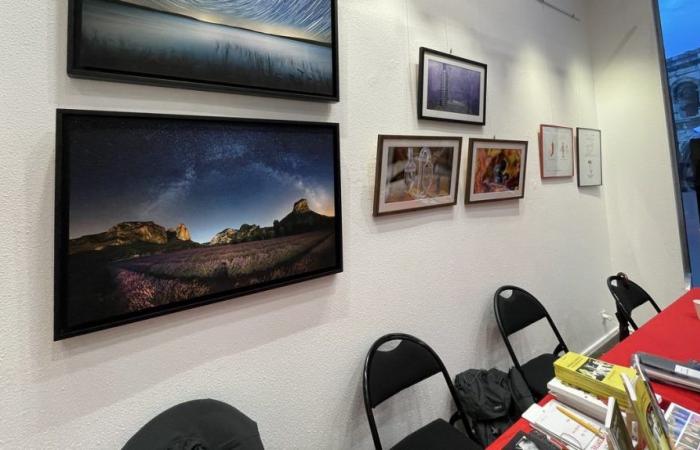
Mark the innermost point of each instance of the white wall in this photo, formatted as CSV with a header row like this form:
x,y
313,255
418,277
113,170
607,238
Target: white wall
x,y
292,358
637,159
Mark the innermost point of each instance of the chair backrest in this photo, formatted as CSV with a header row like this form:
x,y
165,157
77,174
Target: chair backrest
x,y
628,295
389,372
517,311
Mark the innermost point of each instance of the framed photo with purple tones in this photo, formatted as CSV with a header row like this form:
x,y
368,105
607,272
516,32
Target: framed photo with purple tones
x,y
262,47
160,213
416,172
451,88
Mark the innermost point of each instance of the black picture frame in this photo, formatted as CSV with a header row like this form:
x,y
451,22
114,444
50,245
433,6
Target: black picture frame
x,y
471,197
423,93
64,176
76,69
426,201
579,158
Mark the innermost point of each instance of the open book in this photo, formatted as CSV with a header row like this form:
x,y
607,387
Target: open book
x,y
550,420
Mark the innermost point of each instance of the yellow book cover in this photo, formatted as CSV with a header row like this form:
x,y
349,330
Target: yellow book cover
x,y
650,420
603,377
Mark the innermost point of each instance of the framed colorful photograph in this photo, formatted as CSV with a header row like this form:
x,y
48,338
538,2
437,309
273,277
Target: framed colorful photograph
x,y
590,161
451,88
283,49
496,170
416,172
556,151
160,213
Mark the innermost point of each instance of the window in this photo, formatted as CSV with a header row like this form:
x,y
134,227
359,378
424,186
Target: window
x,y
686,99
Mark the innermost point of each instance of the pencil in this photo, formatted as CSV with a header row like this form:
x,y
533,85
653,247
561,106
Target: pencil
x,y
581,422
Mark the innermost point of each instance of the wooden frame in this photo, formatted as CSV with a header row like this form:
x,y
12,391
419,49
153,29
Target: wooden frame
x,y
136,70
557,155
468,68
411,192
114,253
471,196
594,151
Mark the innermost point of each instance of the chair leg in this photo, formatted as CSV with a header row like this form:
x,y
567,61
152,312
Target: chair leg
x,y
624,326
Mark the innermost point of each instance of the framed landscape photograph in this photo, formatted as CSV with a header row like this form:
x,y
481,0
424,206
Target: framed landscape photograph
x,y
451,88
160,213
590,161
285,49
556,151
496,170
416,172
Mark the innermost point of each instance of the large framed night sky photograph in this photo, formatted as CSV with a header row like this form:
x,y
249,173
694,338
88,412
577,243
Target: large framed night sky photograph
x,y
160,213
284,48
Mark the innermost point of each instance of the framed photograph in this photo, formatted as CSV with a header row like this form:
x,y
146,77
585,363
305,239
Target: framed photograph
x,y
496,170
556,151
451,88
416,172
251,47
160,213
590,161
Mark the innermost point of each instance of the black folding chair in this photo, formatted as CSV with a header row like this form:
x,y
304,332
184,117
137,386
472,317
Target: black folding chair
x,y
518,311
628,295
390,372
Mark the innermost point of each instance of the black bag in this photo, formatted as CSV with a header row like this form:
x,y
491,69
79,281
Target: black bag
x,y
493,400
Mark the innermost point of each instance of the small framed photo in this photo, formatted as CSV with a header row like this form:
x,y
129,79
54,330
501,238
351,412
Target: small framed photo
x,y
451,88
416,172
496,170
556,151
590,165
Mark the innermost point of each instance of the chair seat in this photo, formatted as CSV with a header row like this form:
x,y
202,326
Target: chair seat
x,y
437,435
537,373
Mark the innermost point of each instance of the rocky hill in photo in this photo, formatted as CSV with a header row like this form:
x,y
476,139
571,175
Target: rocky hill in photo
x,y
301,220
130,233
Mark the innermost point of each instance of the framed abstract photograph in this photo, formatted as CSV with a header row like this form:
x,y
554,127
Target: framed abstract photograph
x,y
284,49
416,172
160,213
496,170
556,151
451,88
590,161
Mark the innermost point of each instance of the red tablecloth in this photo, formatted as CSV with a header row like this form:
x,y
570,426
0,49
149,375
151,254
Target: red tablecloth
x,y
675,334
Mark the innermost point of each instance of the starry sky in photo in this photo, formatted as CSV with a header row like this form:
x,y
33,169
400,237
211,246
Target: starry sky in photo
x,y
207,175
680,22
303,19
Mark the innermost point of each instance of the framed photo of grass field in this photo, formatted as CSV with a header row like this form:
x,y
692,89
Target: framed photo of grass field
x,y
160,213
282,48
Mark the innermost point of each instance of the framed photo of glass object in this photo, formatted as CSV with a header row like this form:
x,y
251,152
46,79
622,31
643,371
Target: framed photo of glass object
x,y
590,161
451,88
556,151
160,213
416,172
496,170
286,50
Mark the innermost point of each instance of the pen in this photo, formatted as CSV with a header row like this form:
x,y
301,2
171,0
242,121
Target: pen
x,y
581,422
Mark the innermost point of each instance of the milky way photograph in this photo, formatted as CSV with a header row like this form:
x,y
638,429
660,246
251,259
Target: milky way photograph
x,y
159,213
268,47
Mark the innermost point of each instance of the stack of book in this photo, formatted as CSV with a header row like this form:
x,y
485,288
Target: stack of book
x,y
600,405
594,376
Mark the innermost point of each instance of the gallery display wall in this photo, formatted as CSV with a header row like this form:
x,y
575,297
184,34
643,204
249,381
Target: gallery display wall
x,y
291,358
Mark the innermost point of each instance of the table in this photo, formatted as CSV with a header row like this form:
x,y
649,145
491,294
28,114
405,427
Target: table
x,y
674,333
